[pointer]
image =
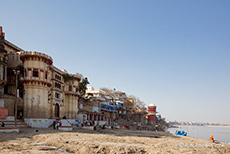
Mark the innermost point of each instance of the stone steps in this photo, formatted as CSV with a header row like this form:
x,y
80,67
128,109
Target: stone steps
x,y
11,124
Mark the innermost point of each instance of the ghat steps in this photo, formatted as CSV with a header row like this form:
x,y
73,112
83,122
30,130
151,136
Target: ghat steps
x,y
11,124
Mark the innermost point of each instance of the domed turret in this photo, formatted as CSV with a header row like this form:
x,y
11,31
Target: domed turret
x,y
152,114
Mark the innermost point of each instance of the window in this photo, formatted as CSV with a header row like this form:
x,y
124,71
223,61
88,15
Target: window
x,y
57,77
76,89
70,88
57,95
57,85
35,73
25,74
46,76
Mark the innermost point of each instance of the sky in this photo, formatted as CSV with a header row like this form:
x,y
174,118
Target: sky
x,y
174,54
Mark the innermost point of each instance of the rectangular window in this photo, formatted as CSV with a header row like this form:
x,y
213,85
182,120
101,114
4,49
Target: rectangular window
x,y
57,85
35,73
57,77
46,76
25,74
57,95
70,88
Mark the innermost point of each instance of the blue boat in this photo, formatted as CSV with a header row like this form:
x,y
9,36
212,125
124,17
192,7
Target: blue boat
x,y
181,133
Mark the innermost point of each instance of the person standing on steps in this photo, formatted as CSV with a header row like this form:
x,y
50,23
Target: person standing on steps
x,y
54,124
58,124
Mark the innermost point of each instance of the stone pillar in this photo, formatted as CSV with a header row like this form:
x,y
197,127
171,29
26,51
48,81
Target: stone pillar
x,y
93,117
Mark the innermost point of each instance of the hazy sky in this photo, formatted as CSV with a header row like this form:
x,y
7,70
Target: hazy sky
x,y
175,54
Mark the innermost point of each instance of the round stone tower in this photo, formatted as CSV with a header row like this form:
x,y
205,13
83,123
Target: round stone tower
x,y
37,83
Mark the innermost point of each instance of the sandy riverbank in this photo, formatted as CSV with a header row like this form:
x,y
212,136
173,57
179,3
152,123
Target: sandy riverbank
x,y
103,141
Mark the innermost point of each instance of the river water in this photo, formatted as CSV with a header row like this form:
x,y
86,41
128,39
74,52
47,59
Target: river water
x,y
219,133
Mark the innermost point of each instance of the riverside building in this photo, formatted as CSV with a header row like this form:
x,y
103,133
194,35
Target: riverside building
x,y
45,93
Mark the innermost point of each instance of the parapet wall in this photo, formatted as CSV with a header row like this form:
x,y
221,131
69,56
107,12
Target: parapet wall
x,y
39,123
41,56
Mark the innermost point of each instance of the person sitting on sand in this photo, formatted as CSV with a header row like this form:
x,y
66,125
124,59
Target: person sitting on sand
x,y
212,138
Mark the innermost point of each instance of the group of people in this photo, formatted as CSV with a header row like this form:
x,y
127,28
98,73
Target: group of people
x,y
89,123
56,124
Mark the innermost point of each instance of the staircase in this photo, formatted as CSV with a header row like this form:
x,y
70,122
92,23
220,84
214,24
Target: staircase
x,y
11,124
133,126
124,122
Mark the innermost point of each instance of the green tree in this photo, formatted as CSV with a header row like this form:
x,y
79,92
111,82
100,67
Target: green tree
x,y
68,77
82,86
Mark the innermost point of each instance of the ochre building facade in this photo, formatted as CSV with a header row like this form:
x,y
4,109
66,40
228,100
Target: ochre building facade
x,y
45,92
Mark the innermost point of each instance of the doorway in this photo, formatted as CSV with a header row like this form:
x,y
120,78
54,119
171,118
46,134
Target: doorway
x,y
57,110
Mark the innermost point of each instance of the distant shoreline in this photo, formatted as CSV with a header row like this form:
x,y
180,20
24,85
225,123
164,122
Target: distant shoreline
x,y
176,126
221,133
217,126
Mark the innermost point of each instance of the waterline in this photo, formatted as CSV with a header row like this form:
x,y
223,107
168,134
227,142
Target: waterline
x,y
221,134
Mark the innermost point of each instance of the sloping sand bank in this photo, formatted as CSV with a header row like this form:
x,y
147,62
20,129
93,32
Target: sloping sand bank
x,y
80,141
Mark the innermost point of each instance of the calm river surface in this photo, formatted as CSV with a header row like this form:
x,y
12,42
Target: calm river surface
x,y
221,134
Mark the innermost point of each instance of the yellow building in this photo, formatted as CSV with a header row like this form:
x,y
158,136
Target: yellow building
x,y
46,92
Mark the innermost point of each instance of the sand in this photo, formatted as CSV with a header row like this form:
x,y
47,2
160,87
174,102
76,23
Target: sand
x,y
31,140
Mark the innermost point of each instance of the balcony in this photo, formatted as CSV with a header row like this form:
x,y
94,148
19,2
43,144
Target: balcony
x,y
37,79
72,93
57,89
106,107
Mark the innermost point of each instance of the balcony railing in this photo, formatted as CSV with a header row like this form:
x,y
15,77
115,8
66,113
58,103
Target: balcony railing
x,y
72,93
48,80
107,107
